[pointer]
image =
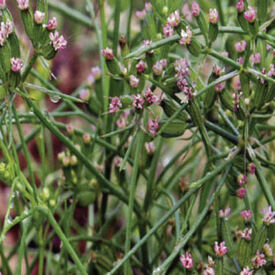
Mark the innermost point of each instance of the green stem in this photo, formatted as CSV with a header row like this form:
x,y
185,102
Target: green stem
x,y
29,66
64,239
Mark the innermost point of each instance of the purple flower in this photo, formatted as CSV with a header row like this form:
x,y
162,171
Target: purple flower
x,y
115,105
246,215
138,101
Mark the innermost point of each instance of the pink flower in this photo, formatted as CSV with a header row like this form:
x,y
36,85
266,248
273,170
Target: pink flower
x,y
115,105
182,66
58,41
5,31
224,213
220,249
246,215
158,68
241,192
246,271
240,46
240,60
52,24
258,260
39,17
84,94
195,9
95,74
141,14
138,101
213,16
250,14
108,53
16,64
209,271
224,53
150,148
140,67
153,127
186,260
186,36
246,234
147,43
168,30
242,179
240,6
218,71
255,58
148,6
86,138
252,168
271,71
2,4
134,81
268,215
174,18
150,97
23,4
70,129
219,87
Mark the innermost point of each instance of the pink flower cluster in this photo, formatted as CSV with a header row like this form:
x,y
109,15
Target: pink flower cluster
x,y
224,213
142,14
5,31
138,101
213,16
172,21
39,17
246,234
250,15
195,9
23,4
58,41
52,24
108,54
258,260
247,271
115,105
268,215
95,74
246,215
240,46
16,64
220,249
187,261
140,67
186,36
153,127
255,58
159,67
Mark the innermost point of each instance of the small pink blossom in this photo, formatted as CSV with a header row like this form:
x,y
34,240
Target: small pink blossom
x,y
271,72
209,271
240,46
86,138
187,13
58,41
148,6
174,18
224,213
255,58
84,94
246,271
246,234
246,215
70,129
240,60
252,168
115,105
52,24
140,67
23,4
2,4
134,81
150,97
168,30
147,43
219,87
220,249
218,71
186,36
150,148
138,101
158,68
240,6
16,64
258,260
141,14
195,9
268,215
213,16
153,127
250,14
242,179
187,261
224,53
182,66
108,54
39,16
241,192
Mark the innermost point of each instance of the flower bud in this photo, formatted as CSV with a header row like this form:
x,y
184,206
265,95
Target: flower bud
x,y
268,250
195,9
70,129
52,24
86,138
250,14
23,4
241,192
213,16
39,17
16,64
84,94
73,160
240,6
134,81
